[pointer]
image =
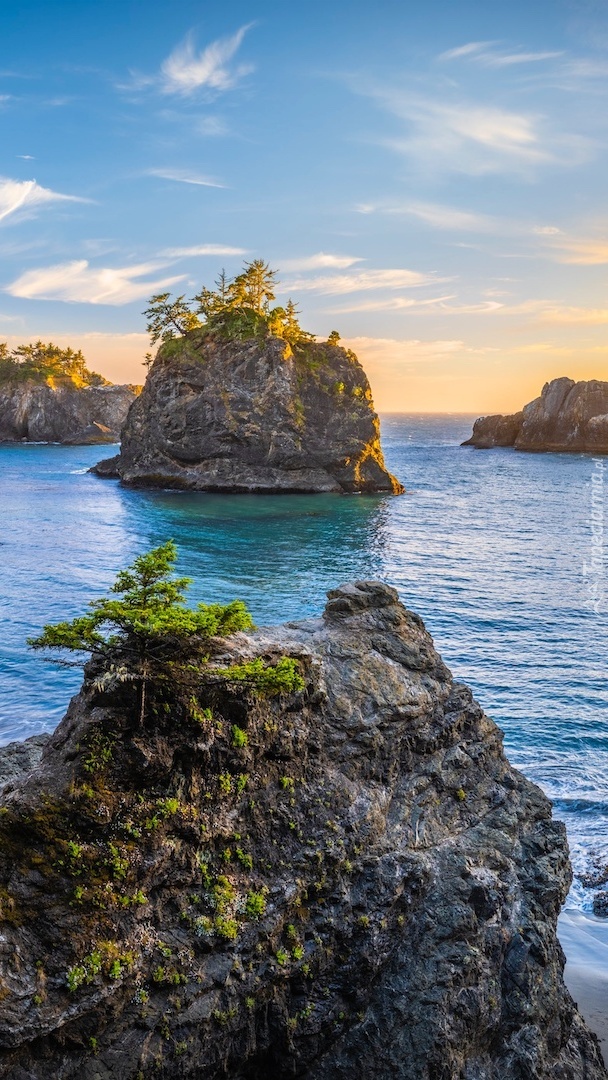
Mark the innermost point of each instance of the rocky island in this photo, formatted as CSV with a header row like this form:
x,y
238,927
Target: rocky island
x,y
308,857
47,394
568,416
240,399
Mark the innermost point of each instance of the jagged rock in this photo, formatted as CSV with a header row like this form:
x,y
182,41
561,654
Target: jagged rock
x,y
364,887
253,416
17,758
567,416
63,413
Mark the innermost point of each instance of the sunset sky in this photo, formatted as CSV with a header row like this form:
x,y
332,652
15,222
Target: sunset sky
x,y
430,180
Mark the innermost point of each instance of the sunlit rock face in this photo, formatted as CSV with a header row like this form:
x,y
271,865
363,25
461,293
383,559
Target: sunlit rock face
x,y
64,413
567,416
362,887
253,416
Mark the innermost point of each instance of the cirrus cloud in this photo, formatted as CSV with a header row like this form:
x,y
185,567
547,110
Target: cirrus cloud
x,y
321,261
203,249
78,282
185,176
25,197
185,70
361,281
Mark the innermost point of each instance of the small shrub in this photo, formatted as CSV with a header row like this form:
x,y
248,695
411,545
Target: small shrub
x,y
255,905
226,928
239,737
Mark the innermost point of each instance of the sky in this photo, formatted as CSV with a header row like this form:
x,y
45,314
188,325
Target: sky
x,y
428,179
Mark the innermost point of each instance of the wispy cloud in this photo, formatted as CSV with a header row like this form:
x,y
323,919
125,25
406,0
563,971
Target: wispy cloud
x,y
395,352
186,70
185,176
203,249
467,137
532,311
26,157
361,281
78,282
397,303
581,252
586,245
25,197
211,126
487,54
321,261
461,135
438,216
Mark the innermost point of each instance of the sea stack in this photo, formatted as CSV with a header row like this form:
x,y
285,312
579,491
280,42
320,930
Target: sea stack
x,y
253,416
359,886
568,416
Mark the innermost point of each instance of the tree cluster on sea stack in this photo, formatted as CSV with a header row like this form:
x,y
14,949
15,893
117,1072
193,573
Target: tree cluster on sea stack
x,y
237,309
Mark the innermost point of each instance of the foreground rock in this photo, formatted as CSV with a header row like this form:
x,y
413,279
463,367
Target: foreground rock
x,y
364,887
253,416
63,413
567,416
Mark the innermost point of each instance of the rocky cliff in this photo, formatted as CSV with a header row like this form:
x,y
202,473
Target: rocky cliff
x,y
62,412
256,415
567,416
358,884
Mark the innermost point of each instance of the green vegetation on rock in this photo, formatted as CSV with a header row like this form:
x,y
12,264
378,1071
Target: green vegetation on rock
x,y
44,362
237,309
145,634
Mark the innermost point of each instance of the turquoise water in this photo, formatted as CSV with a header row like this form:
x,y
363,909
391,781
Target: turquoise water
x,y
489,547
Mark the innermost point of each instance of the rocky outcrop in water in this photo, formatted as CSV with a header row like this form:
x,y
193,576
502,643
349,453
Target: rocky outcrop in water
x,y
256,415
63,413
567,416
357,885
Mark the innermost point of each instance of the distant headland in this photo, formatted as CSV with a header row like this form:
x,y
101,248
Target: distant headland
x,y
568,416
241,399
48,394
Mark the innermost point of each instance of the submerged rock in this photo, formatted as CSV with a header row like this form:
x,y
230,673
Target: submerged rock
x,y
63,413
567,416
253,416
361,886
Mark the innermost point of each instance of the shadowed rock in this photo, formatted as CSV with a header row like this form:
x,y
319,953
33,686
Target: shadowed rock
x,y
253,416
364,887
64,413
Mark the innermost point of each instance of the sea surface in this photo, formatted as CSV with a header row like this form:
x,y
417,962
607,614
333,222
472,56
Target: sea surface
x,y
494,549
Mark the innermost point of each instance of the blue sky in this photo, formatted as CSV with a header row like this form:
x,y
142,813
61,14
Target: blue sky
x,y
429,179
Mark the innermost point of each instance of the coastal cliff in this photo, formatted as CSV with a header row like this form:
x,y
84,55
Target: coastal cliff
x,y
357,885
568,416
62,412
253,415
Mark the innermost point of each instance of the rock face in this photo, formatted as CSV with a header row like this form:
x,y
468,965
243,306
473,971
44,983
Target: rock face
x,y
37,412
253,416
567,416
362,887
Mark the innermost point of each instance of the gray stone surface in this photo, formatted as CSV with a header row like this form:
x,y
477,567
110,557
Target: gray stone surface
x,y
567,416
412,878
253,416
18,758
37,412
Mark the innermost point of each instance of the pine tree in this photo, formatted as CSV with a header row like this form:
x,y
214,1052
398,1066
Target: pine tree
x,y
145,634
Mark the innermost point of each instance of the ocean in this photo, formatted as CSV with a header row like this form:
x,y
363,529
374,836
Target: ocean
x,y
499,552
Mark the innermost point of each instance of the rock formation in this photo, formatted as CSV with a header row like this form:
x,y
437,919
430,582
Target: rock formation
x,y
567,416
63,413
253,416
361,886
